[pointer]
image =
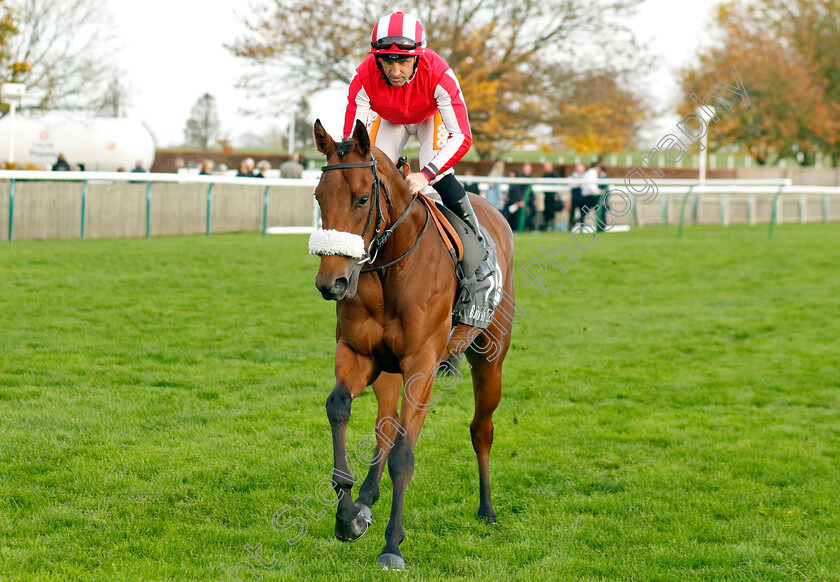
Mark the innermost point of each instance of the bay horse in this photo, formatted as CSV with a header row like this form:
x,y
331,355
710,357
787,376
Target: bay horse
x,y
394,324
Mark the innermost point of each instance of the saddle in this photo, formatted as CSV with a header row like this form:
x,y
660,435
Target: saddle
x,y
476,299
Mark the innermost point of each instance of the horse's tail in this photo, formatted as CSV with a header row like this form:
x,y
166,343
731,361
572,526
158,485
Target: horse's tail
x,y
451,366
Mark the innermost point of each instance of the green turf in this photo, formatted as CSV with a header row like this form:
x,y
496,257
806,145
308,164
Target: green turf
x,y
670,413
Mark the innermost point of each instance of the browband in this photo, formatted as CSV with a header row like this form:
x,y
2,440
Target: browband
x,y
369,163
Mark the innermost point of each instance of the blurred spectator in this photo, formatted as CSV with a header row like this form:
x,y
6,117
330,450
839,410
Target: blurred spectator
x,y
177,164
591,191
292,168
550,200
138,168
206,167
221,169
577,194
520,199
61,165
602,200
263,168
469,185
494,191
246,168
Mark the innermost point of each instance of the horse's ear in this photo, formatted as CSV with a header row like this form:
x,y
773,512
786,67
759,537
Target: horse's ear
x,y
361,139
323,141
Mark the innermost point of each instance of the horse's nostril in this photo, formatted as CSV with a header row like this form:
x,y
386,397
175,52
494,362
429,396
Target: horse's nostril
x,y
340,286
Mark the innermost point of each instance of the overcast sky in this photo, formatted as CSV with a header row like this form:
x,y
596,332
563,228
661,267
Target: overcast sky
x,y
172,52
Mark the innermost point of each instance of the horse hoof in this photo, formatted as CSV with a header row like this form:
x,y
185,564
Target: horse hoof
x,y
391,562
350,531
488,517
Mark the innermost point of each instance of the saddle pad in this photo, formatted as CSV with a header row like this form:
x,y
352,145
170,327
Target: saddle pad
x,y
446,230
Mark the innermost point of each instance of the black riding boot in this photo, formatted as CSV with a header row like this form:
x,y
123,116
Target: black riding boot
x,y
463,210
457,200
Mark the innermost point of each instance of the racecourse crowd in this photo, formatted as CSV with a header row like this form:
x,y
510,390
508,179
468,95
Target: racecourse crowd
x,y
528,208
248,168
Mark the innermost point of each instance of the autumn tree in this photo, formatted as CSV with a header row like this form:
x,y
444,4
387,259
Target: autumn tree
x,y
595,112
792,85
502,51
8,31
60,49
203,126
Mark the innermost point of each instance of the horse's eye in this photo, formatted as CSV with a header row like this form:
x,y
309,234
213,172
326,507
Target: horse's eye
x,y
362,201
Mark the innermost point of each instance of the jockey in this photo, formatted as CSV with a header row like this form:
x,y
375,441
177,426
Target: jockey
x,y
404,89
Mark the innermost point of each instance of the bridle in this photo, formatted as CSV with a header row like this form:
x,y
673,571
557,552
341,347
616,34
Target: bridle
x,y
378,241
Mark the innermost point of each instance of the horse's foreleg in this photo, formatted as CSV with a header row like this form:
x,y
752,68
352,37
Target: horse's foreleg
x,y
352,373
419,378
387,390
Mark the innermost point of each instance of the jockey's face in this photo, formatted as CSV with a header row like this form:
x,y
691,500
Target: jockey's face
x,y
398,72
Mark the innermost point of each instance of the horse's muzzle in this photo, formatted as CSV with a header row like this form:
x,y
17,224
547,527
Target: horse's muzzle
x,y
332,289
337,288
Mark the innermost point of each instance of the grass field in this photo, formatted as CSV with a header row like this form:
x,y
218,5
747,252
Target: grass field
x,y
671,412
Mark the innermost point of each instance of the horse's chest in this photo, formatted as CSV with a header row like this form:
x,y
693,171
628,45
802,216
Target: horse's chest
x,y
374,336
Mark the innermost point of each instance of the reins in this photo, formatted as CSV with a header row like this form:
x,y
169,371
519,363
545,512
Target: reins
x,y
377,242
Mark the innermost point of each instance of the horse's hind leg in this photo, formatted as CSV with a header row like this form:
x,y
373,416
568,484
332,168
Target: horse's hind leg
x,y
487,388
387,389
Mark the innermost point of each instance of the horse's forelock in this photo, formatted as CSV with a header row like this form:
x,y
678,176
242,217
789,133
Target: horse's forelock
x,y
345,147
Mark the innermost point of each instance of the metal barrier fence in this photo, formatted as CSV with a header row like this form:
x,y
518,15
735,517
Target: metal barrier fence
x,y
43,205
47,205
712,202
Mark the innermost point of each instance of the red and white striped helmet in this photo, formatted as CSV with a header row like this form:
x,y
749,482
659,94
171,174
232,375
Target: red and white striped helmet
x,y
397,36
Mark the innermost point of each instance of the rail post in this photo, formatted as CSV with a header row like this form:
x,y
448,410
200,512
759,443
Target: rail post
x,y
149,209
11,208
84,201
265,209
209,204
682,210
773,212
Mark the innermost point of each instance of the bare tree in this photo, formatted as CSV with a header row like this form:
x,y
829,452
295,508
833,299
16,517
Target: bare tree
x,y
61,51
202,127
116,99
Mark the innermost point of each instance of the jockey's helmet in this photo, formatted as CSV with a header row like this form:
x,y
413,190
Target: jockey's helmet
x,y
397,36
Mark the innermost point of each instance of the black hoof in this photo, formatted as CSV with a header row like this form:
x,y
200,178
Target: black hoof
x,y
350,531
391,562
487,516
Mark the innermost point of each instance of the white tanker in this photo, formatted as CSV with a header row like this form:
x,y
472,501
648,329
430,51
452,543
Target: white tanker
x,y
100,143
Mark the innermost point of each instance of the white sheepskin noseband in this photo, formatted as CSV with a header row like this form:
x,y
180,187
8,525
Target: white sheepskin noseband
x,y
336,242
